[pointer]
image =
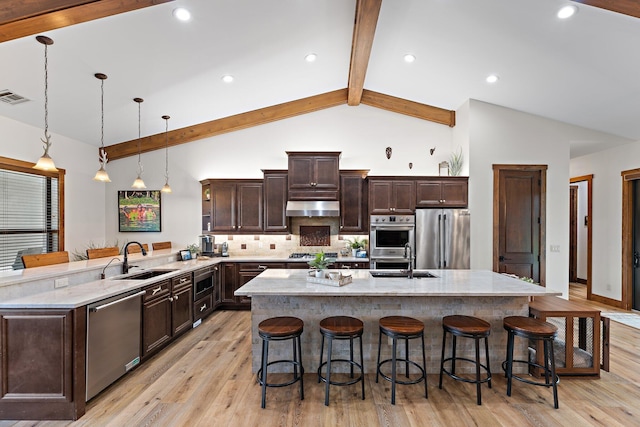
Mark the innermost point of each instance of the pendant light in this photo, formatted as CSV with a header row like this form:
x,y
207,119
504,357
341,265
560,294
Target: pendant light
x,y
102,174
166,188
45,162
139,183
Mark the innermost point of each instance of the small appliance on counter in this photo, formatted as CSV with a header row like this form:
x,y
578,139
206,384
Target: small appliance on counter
x,y
223,249
207,245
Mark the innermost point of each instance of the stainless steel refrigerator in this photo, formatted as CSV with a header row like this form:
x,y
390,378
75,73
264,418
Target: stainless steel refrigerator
x,y
442,238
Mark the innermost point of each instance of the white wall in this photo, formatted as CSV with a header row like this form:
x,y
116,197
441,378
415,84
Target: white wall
x,y
84,198
361,133
500,135
606,167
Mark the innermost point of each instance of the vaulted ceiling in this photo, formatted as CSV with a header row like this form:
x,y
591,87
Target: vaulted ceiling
x,y
581,71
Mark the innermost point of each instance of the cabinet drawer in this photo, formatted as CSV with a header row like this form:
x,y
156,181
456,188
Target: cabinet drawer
x,y
260,266
157,290
202,307
180,281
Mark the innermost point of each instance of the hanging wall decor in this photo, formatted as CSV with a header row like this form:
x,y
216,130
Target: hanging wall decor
x,y
431,150
410,165
388,152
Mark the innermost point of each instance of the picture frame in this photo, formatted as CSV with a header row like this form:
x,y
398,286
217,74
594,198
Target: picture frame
x,y
139,211
185,255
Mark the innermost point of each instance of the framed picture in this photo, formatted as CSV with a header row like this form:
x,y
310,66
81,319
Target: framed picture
x,y
139,210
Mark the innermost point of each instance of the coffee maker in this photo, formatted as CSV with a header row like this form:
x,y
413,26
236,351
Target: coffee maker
x,y
207,245
224,249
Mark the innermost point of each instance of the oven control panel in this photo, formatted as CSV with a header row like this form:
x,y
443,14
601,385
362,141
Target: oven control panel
x,y
393,219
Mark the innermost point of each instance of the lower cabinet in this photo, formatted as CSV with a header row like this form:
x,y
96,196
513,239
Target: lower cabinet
x,y
167,311
236,275
355,265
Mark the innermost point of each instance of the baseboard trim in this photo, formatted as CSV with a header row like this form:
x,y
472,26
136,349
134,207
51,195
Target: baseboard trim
x,y
607,301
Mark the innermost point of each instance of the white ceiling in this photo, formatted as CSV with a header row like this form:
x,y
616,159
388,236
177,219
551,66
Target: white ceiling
x,y
584,71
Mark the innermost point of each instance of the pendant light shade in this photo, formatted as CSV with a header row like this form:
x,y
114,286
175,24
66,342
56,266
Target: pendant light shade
x,y
102,174
45,162
166,188
139,183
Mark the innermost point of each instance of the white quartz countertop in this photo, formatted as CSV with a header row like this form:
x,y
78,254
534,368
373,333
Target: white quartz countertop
x,y
447,283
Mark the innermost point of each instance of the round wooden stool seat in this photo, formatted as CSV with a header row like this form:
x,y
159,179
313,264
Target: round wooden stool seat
x,y
466,326
401,325
280,327
341,326
530,327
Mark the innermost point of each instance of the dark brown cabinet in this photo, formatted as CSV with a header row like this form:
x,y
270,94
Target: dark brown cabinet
x,y
390,196
349,265
167,311
229,285
353,201
442,192
236,205
314,175
236,275
275,201
206,207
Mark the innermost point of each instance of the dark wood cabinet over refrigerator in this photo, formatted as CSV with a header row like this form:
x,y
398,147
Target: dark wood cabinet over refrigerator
x,y
444,192
314,175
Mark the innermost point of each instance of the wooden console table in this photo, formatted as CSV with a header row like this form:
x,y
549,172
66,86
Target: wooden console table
x,y
577,324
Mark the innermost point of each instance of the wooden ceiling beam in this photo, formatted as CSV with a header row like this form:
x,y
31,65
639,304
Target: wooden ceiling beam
x,y
19,18
366,19
409,108
626,7
228,124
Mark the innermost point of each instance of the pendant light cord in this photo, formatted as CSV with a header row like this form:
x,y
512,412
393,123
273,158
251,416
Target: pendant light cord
x,y
166,152
102,115
139,134
46,90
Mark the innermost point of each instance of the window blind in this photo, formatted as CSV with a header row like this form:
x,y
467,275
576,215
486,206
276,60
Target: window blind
x,y
29,216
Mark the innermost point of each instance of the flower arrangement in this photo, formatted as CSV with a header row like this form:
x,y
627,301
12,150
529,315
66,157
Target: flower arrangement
x,y
320,262
194,248
357,243
455,163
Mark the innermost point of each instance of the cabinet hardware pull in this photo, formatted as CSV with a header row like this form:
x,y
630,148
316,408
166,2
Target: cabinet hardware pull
x,y
100,307
262,267
155,291
171,299
204,307
175,298
184,279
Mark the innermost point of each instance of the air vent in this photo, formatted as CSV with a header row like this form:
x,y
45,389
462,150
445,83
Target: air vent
x,y
11,98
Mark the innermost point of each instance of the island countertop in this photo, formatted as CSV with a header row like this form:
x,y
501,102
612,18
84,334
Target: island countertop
x,y
274,282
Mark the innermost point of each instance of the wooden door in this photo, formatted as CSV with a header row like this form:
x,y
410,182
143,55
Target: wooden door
x,y
326,175
519,221
250,206
229,280
275,201
573,233
156,324
182,309
223,205
404,197
353,202
380,197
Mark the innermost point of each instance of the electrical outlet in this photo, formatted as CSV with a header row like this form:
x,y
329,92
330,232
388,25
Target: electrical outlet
x,y
61,283
555,248
260,245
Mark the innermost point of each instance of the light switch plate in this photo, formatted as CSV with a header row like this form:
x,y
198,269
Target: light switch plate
x,y
555,248
61,283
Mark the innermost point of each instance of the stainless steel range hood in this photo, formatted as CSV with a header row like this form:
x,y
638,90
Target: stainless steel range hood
x,y
313,208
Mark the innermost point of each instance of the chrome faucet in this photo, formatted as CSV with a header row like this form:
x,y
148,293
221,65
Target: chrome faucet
x,y
125,264
408,254
102,275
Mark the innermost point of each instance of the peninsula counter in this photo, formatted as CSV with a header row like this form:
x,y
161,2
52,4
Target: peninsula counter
x,y
485,294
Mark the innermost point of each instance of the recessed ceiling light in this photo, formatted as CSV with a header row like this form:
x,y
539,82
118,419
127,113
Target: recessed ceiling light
x,y
181,14
311,57
227,78
567,11
409,57
492,78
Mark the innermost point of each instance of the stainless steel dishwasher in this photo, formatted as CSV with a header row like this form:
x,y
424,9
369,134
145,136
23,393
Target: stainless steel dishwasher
x,y
113,339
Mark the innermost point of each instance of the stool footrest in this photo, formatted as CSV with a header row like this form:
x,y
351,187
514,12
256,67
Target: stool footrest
x,y
411,362
467,380
351,362
294,380
525,380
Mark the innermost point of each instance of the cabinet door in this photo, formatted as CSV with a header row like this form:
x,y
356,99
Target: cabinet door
x,y
326,174
404,197
156,324
223,205
206,208
229,279
275,202
455,193
301,172
443,192
182,309
217,285
249,207
428,193
243,278
353,217
380,197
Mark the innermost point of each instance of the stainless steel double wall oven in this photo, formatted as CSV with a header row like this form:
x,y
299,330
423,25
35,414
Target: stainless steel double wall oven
x,y
388,237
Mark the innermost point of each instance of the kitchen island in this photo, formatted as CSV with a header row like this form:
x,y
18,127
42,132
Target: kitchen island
x,y
485,294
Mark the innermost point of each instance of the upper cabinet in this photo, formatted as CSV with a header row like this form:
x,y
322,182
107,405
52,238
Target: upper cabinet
x,y
353,201
442,192
275,201
391,196
236,205
314,175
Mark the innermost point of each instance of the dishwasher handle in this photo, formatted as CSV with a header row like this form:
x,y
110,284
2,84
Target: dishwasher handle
x,y
100,307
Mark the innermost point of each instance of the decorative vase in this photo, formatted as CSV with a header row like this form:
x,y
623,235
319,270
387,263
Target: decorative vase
x,y
320,274
354,252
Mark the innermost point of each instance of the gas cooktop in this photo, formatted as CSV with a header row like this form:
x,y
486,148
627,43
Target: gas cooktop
x,y
306,255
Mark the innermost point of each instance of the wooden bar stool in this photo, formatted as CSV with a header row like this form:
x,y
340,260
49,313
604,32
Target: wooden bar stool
x,y
467,327
406,328
280,329
340,328
534,329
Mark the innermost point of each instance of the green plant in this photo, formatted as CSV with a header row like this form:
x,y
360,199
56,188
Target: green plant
x,y
194,248
357,243
455,163
320,262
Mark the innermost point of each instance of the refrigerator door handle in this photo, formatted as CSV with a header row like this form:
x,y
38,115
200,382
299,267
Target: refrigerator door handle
x,y
444,241
440,241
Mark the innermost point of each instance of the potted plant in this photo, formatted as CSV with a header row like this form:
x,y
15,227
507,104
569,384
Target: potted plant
x,y
356,244
194,249
320,263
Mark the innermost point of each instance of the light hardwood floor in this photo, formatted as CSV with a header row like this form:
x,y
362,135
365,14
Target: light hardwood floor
x,y
205,379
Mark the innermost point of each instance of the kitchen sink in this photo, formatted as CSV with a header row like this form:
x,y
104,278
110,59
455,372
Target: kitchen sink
x,y
418,274
144,275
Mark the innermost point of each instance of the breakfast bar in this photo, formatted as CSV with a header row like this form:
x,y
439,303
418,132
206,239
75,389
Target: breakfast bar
x,y
484,294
